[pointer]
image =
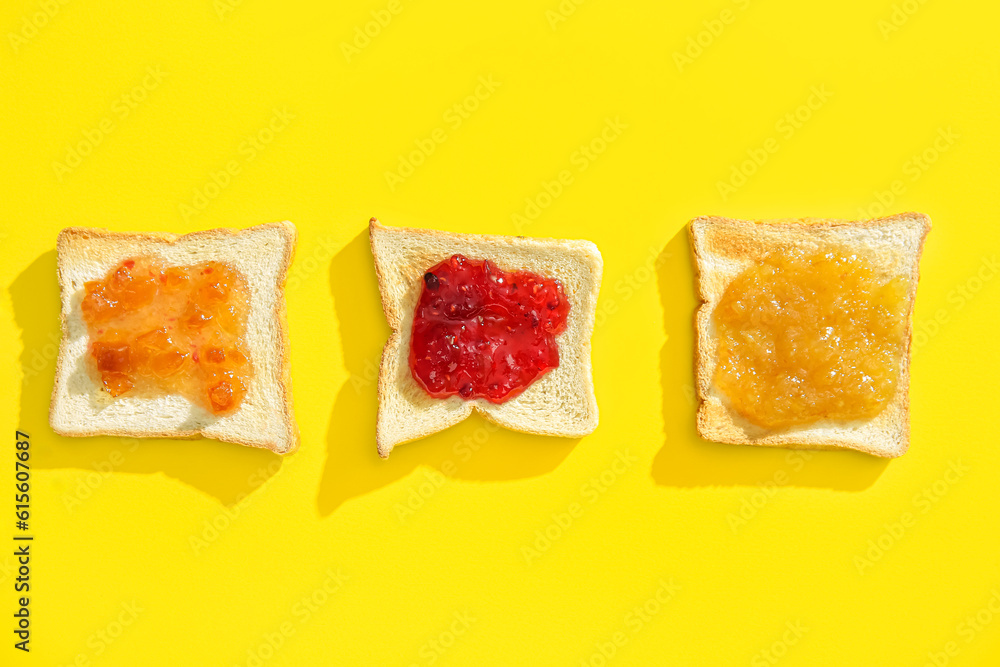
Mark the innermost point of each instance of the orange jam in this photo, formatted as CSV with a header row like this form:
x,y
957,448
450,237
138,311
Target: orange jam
x,y
804,337
171,330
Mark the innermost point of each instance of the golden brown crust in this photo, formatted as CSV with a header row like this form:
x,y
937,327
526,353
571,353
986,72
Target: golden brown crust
x,y
717,240
281,317
383,443
287,229
388,307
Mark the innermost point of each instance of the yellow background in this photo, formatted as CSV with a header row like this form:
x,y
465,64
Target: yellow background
x,y
205,553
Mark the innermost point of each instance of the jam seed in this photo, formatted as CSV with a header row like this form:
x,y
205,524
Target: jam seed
x,y
431,281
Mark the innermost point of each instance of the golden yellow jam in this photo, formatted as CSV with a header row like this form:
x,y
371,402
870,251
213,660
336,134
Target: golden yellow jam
x,y
804,337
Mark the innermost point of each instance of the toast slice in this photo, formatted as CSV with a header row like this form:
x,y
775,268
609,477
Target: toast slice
x,y
723,248
561,402
265,418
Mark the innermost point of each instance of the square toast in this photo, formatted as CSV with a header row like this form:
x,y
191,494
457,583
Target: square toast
x,y
561,402
723,248
265,418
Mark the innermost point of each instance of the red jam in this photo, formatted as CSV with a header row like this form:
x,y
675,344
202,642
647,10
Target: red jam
x,y
482,332
177,329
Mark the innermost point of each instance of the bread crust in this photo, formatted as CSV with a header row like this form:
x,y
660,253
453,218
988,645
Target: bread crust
x,y
74,235
453,410
723,247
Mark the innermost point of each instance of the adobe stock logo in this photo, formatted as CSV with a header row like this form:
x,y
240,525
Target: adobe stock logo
x,y
562,13
628,285
87,485
33,22
225,7
957,298
363,35
435,647
786,126
220,179
752,504
581,158
268,645
121,109
591,491
713,28
914,168
634,621
794,631
968,629
454,116
101,640
433,481
900,16
895,530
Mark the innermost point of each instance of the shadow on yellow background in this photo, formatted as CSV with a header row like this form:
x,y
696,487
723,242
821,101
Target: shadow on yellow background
x,y
474,450
686,460
222,470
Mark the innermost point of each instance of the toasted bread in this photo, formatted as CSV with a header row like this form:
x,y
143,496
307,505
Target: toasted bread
x,y
560,402
723,248
265,418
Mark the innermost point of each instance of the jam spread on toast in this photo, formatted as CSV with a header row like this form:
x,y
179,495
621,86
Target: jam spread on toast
x,y
482,332
159,329
808,336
